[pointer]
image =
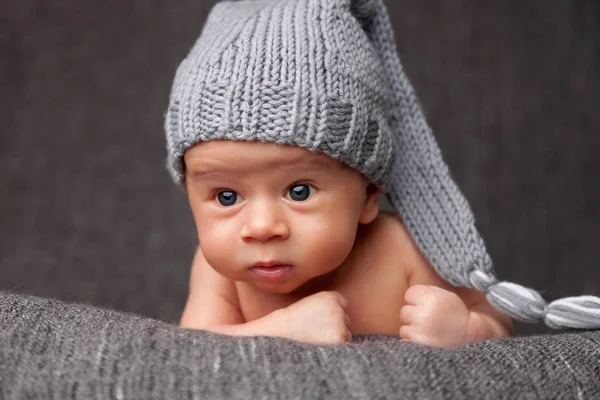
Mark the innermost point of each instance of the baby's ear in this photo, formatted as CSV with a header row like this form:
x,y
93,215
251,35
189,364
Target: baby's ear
x,y
370,208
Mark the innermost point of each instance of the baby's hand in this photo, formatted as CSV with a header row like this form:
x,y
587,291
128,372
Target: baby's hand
x,y
434,316
320,318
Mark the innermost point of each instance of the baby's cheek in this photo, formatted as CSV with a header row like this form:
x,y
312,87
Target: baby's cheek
x,y
219,253
330,248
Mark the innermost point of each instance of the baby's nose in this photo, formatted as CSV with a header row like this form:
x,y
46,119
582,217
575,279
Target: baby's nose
x,y
264,222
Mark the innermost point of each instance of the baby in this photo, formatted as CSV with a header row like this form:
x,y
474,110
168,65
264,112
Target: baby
x,y
287,122
279,132
292,244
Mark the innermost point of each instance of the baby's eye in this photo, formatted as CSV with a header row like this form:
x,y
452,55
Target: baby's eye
x,y
300,192
227,198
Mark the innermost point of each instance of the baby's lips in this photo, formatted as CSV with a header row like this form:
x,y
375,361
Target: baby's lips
x,y
271,273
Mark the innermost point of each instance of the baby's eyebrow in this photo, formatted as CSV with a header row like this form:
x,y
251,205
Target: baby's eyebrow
x,y
208,174
206,171
311,164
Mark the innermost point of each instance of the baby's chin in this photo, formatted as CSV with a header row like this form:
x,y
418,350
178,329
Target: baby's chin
x,y
286,286
303,287
275,288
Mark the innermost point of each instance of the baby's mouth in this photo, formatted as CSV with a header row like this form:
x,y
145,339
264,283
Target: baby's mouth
x,y
271,271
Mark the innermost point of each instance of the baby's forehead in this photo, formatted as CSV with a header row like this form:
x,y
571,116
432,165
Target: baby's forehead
x,y
230,153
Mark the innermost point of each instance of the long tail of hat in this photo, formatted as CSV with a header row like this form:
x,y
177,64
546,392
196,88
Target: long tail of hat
x,y
432,207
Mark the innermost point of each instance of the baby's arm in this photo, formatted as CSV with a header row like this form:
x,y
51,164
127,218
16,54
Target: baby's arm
x,y
433,311
439,314
213,305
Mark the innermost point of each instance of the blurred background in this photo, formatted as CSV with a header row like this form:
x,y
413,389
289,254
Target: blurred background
x,y
89,214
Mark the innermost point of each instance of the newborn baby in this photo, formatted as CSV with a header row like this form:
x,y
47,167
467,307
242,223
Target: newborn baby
x,y
292,244
287,122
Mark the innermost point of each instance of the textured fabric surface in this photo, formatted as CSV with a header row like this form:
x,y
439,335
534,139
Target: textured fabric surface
x,y
50,349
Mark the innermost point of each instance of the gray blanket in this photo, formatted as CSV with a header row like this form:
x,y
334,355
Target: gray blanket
x,y
51,349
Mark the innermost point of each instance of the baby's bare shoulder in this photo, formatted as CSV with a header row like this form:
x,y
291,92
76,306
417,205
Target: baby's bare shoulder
x,y
377,280
385,246
387,232
381,249
400,245
389,222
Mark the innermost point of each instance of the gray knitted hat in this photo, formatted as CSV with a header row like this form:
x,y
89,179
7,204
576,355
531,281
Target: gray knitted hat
x,y
325,75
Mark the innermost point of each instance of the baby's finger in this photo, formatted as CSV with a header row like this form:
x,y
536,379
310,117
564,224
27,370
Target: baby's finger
x,y
405,332
412,335
416,294
408,314
348,336
347,318
342,300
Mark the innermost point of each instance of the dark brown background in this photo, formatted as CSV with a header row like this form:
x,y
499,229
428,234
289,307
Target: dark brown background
x,y
87,210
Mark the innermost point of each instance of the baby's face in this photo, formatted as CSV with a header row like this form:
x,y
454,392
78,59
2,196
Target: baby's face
x,y
274,216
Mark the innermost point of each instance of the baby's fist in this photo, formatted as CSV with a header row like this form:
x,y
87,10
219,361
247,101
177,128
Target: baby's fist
x,y
434,316
319,318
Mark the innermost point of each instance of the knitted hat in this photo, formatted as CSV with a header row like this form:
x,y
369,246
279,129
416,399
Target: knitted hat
x,y
325,75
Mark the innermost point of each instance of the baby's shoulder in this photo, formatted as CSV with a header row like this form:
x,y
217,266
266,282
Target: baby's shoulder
x,y
389,240
377,278
386,230
387,243
381,244
389,222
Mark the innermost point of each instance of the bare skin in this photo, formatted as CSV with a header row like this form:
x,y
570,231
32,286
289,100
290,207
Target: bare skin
x,y
352,269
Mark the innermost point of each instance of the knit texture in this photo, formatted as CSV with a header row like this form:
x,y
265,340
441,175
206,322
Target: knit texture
x,y
286,72
55,350
325,75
